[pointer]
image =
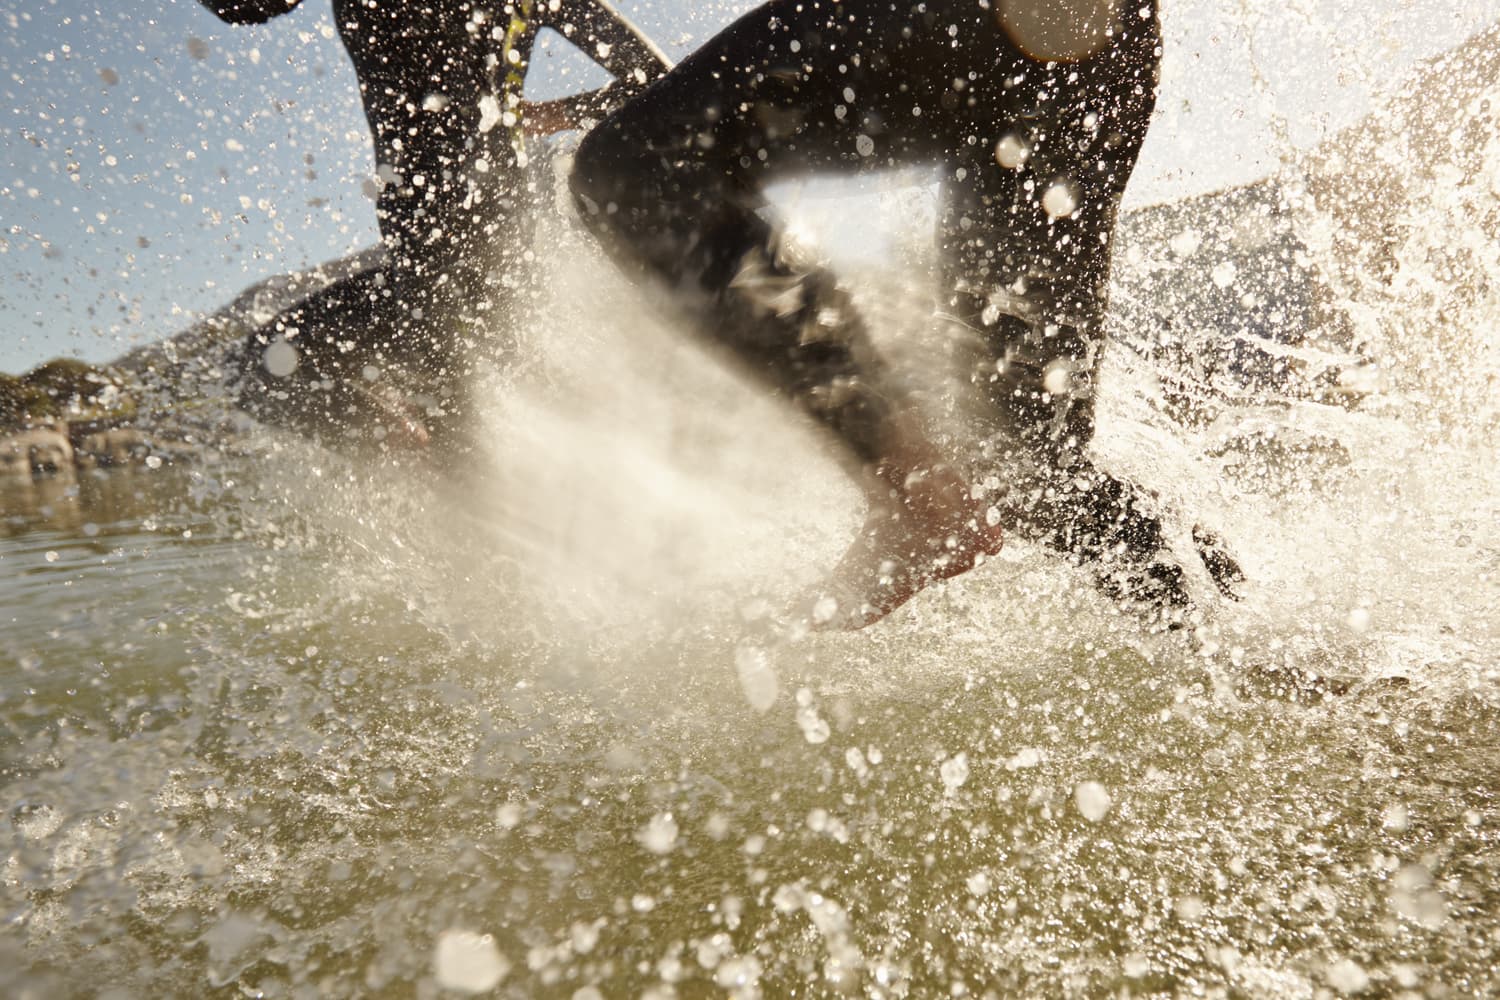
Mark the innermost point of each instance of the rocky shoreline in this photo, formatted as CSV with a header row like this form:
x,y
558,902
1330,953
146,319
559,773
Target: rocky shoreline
x,y
61,449
67,417
160,404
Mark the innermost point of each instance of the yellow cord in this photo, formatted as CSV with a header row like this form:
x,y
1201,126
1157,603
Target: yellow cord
x,y
515,71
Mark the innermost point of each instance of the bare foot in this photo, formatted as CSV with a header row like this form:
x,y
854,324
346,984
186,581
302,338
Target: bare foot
x,y
401,423
931,530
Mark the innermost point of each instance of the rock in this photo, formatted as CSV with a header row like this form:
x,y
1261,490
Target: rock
x,y
43,450
114,447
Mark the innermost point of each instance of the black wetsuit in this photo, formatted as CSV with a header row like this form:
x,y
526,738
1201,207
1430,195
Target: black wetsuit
x,y
440,81
1035,110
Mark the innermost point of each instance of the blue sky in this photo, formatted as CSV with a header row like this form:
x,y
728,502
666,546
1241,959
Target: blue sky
x,y
154,161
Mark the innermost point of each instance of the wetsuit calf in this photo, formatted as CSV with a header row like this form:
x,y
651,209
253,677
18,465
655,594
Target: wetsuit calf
x,y
441,84
1035,111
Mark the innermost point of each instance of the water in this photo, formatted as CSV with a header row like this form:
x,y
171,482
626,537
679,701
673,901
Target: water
x,y
251,762
270,728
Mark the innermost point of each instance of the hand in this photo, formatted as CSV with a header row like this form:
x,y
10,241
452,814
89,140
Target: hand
x,y
547,117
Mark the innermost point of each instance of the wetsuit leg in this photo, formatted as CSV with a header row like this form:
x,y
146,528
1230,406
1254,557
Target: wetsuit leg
x,y
306,370
400,340
1030,200
1036,154
671,183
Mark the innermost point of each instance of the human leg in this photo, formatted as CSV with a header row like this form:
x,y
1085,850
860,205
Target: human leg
x,y
671,184
313,370
389,351
1028,223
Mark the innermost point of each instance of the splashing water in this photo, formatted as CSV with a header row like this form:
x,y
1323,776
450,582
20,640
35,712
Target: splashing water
x,y
308,734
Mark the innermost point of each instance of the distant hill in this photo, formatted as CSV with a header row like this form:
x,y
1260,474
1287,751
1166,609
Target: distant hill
x,y
1216,286
1223,295
190,363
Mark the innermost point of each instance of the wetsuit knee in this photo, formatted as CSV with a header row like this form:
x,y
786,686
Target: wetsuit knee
x,y
599,178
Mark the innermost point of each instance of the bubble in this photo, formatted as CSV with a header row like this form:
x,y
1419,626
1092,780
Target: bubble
x,y
1359,620
864,145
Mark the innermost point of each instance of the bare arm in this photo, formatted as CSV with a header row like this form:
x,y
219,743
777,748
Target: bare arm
x,y
573,111
602,34
248,11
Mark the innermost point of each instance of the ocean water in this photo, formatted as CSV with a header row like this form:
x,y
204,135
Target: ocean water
x,y
272,726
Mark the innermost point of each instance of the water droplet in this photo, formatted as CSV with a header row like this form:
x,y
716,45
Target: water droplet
x,y
1060,199
1092,800
757,677
1028,757
660,835
1012,151
468,962
1056,380
954,771
508,816
1348,977
280,359
824,610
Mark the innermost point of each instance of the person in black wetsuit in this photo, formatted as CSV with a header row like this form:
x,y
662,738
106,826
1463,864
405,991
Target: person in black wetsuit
x,y
1036,111
381,357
